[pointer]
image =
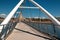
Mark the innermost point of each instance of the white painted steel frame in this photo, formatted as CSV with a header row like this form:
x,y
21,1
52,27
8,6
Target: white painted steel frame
x,y
8,18
54,20
29,7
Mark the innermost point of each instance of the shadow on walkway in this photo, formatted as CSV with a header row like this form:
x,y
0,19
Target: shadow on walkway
x,y
32,34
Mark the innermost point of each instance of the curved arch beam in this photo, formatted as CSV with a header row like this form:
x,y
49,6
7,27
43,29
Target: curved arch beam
x,y
7,19
54,20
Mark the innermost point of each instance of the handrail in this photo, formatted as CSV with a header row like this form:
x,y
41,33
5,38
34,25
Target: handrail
x,y
7,29
7,19
53,34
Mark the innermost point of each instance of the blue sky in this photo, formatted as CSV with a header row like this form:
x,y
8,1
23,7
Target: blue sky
x,y
53,6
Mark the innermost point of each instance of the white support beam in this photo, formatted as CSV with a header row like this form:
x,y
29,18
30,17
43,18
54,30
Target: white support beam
x,y
54,20
8,18
29,7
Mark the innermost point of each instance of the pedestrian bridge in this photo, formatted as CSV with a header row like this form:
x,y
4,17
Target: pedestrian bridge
x,y
25,29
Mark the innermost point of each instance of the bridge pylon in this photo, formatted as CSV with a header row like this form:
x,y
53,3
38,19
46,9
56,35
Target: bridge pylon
x,y
20,18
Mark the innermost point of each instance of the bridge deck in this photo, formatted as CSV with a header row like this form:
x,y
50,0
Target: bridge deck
x,y
17,34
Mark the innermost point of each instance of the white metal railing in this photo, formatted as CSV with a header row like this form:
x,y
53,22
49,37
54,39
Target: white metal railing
x,y
7,29
7,19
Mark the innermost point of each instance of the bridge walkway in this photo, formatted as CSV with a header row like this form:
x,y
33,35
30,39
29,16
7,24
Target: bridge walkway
x,y
19,34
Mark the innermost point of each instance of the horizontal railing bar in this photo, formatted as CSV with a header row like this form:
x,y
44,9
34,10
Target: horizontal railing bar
x,y
29,7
